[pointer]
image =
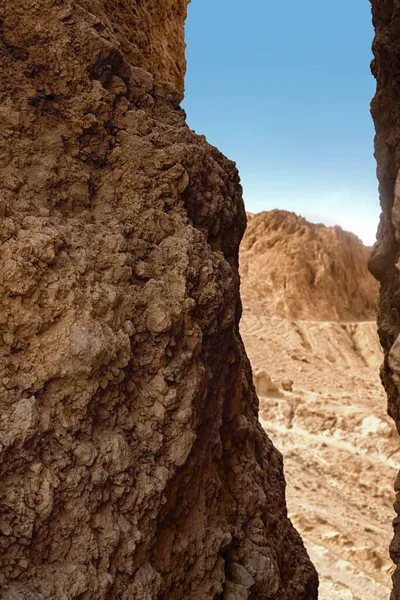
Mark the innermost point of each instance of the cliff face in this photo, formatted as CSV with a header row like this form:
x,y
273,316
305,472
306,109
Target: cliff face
x,y
385,260
149,33
295,269
132,462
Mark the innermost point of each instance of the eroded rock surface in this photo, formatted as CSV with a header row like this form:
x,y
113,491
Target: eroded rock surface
x,y
132,462
386,253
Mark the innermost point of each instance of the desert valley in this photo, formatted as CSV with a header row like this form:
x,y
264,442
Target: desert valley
x,y
321,399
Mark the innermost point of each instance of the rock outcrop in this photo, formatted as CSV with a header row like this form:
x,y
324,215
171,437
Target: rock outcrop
x,y
295,269
384,263
132,462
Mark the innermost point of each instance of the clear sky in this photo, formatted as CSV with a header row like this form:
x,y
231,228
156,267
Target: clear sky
x,y
283,89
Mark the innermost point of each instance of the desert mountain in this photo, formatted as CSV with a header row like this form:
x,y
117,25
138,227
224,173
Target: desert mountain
x,y
293,268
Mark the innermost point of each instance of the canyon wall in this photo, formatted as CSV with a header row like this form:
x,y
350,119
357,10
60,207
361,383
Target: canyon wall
x,y
132,462
384,263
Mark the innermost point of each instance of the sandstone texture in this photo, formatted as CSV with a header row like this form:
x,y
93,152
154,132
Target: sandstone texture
x,y
384,263
321,399
132,462
293,268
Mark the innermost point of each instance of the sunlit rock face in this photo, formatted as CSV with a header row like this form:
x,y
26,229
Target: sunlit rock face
x,y
386,254
295,269
133,465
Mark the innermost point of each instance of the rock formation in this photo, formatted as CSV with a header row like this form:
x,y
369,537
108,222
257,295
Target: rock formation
x,y
293,268
132,462
384,262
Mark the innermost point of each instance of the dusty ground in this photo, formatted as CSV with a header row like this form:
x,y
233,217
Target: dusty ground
x,y
340,448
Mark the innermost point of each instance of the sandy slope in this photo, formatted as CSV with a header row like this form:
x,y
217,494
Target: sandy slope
x,y
322,403
341,579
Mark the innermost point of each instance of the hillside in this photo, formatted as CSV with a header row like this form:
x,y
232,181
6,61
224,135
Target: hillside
x,y
293,268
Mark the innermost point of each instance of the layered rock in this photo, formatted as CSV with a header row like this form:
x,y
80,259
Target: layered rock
x,y
295,269
132,462
386,253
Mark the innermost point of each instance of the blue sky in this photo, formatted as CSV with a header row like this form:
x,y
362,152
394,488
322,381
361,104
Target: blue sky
x,y
283,89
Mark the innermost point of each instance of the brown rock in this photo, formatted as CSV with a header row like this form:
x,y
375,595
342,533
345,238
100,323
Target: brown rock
x,y
384,263
287,385
132,462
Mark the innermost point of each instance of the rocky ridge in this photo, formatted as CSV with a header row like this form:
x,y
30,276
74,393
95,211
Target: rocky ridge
x,y
295,269
132,462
